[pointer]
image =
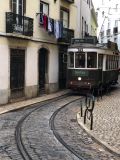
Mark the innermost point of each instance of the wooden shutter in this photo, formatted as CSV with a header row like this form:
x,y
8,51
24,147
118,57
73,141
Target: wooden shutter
x,y
24,5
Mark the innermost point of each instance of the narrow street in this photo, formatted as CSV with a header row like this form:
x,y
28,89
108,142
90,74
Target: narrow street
x,y
64,140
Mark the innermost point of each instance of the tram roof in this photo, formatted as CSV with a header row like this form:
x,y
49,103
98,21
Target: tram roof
x,y
82,43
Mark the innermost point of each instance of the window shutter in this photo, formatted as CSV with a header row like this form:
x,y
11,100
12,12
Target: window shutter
x,y
10,3
24,4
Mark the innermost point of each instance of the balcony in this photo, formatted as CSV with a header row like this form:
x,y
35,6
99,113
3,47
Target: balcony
x,y
19,24
66,35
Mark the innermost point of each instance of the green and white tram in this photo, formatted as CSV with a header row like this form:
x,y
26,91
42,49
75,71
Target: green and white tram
x,y
91,65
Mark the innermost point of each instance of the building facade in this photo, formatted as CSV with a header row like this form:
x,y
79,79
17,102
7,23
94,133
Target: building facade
x,y
86,18
33,44
108,15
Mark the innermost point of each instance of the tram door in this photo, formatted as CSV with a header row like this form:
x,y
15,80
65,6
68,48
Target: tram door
x,y
17,71
43,67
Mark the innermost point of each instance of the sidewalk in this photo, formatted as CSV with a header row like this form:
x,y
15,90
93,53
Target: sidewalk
x,y
106,121
22,104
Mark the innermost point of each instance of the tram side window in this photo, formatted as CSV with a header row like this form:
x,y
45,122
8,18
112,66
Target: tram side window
x,y
91,60
70,59
100,61
80,60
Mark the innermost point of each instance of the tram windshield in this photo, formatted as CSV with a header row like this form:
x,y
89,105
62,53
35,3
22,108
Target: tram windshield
x,y
80,60
91,60
83,60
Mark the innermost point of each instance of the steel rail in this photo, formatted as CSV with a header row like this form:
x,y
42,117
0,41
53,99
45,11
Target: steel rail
x,y
57,135
18,129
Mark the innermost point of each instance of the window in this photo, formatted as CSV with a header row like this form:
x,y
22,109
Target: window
x,y
80,60
115,30
108,32
64,16
91,60
70,59
109,24
82,27
100,61
17,7
44,8
103,13
116,7
116,23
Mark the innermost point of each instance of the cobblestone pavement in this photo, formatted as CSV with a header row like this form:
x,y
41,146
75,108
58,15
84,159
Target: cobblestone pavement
x,y
106,126
47,147
42,144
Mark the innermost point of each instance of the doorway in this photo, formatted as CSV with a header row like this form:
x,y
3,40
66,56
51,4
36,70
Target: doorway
x,y
43,69
17,72
62,66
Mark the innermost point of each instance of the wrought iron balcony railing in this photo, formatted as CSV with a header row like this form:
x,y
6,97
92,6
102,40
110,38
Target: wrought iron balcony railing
x,y
67,35
19,24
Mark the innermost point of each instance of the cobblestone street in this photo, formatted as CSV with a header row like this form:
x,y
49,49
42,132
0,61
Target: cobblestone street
x,y
106,127
74,142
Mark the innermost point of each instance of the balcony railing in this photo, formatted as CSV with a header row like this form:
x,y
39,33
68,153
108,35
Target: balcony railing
x,y
19,24
66,35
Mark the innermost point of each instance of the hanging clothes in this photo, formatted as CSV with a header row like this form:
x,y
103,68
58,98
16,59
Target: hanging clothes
x,y
60,29
50,25
56,29
45,22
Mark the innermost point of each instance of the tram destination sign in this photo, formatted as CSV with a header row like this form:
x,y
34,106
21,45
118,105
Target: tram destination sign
x,y
90,40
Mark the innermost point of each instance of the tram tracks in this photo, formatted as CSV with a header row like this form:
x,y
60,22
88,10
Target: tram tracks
x,y
57,135
18,131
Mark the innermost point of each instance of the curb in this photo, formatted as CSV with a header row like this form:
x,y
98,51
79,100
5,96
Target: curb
x,y
99,141
22,104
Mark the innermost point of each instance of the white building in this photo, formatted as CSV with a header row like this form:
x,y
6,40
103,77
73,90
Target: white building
x,y
108,15
86,19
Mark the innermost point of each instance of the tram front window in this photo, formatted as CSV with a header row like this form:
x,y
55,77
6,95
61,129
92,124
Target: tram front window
x,y
70,59
80,60
91,60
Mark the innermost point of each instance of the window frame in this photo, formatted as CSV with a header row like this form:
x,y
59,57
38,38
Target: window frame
x,y
17,7
62,9
44,3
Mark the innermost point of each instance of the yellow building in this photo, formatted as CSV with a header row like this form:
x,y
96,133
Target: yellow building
x,y
34,37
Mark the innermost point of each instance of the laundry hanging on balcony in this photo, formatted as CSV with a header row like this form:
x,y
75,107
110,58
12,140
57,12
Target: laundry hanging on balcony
x,y
54,27
58,28
51,26
45,22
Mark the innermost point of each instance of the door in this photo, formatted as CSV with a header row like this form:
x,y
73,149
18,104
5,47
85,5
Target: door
x,y
43,68
17,70
17,8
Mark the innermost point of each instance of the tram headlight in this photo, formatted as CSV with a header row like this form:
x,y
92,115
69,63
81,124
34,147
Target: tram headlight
x,y
79,78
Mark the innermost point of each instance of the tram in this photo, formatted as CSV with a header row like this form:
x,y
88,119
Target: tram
x,y
91,65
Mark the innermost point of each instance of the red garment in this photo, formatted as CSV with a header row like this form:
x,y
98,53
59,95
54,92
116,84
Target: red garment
x,y
45,22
